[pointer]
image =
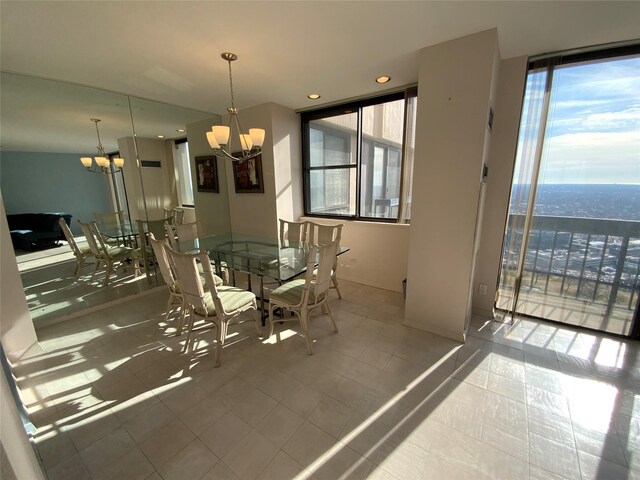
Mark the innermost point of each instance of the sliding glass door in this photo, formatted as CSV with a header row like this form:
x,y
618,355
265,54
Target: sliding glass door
x,y
572,242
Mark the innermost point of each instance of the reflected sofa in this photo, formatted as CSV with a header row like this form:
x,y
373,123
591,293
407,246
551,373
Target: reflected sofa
x,y
30,231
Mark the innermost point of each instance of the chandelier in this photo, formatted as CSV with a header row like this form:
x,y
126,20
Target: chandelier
x,y
220,136
103,164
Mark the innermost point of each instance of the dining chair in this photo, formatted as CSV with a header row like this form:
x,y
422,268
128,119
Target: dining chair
x,y
161,255
111,219
181,232
293,231
144,254
81,253
178,215
217,306
303,296
103,253
322,234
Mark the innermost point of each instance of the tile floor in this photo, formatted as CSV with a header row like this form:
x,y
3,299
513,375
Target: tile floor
x,y
113,398
53,292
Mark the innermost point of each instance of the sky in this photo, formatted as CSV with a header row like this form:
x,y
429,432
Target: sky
x,y
593,127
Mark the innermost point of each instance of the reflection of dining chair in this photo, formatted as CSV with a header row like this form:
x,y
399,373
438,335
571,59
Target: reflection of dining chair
x,y
144,254
109,255
182,233
293,231
175,296
110,219
81,253
178,216
217,305
302,296
322,234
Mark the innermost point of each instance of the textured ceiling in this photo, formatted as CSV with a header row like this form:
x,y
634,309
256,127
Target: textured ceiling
x,y
169,51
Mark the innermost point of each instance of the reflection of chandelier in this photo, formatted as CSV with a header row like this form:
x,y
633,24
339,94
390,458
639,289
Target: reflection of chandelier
x,y
102,160
219,137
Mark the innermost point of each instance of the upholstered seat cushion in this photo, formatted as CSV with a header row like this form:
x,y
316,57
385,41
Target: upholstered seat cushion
x,y
119,251
291,292
232,298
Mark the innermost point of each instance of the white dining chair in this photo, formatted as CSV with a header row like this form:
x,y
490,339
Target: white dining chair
x,y
81,253
303,296
320,234
217,306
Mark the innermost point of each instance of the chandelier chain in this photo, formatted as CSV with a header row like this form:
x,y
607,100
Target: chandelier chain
x,y
233,105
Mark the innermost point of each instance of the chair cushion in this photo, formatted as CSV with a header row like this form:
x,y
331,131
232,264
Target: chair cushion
x,y
232,298
119,252
291,292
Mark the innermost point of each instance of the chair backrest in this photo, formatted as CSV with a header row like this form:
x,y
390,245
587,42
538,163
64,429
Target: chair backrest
x,y
323,234
157,227
168,212
325,256
185,266
159,247
69,236
109,218
178,216
293,231
181,233
90,232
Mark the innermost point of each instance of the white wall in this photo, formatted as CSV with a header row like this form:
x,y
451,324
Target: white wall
x,y
16,326
18,337
377,253
508,107
287,157
455,81
211,209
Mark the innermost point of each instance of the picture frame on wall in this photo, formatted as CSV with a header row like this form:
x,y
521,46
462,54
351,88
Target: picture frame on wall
x,y
247,175
207,174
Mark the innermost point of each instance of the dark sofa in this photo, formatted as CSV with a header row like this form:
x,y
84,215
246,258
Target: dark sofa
x,y
30,231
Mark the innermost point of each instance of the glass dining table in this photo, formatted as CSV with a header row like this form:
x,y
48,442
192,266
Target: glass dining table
x,y
255,255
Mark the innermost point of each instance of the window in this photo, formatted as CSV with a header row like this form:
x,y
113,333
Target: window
x,y
183,173
358,158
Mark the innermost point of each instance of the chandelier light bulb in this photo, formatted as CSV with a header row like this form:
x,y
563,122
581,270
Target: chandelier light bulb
x,y
257,136
86,161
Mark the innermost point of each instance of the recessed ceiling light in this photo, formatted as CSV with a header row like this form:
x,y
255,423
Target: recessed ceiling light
x,y
160,136
383,79
181,130
313,96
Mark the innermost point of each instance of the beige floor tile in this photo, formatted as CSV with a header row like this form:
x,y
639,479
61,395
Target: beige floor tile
x,y
165,442
331,416
225,434
107,451
309,444
191,463
250,456
279,425
254,407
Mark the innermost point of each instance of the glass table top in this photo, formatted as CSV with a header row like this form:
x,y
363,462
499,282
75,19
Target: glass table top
x,y
263,256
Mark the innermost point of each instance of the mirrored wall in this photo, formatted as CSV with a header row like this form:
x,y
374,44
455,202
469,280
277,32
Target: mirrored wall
x,y
46,128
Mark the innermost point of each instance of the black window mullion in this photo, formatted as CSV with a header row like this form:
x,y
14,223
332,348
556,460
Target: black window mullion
x,y
358,213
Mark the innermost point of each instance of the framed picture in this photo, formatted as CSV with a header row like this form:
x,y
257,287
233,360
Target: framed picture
x,y
207,174
247,175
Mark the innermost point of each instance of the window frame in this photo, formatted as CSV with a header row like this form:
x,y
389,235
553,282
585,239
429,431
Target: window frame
x,y
343,109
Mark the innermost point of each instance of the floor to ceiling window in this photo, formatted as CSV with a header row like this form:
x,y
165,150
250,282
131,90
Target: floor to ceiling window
x,y
572,242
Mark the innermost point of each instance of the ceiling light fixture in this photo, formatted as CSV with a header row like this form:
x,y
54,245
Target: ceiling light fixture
x,y
102,161
383,79
220,136
313,96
